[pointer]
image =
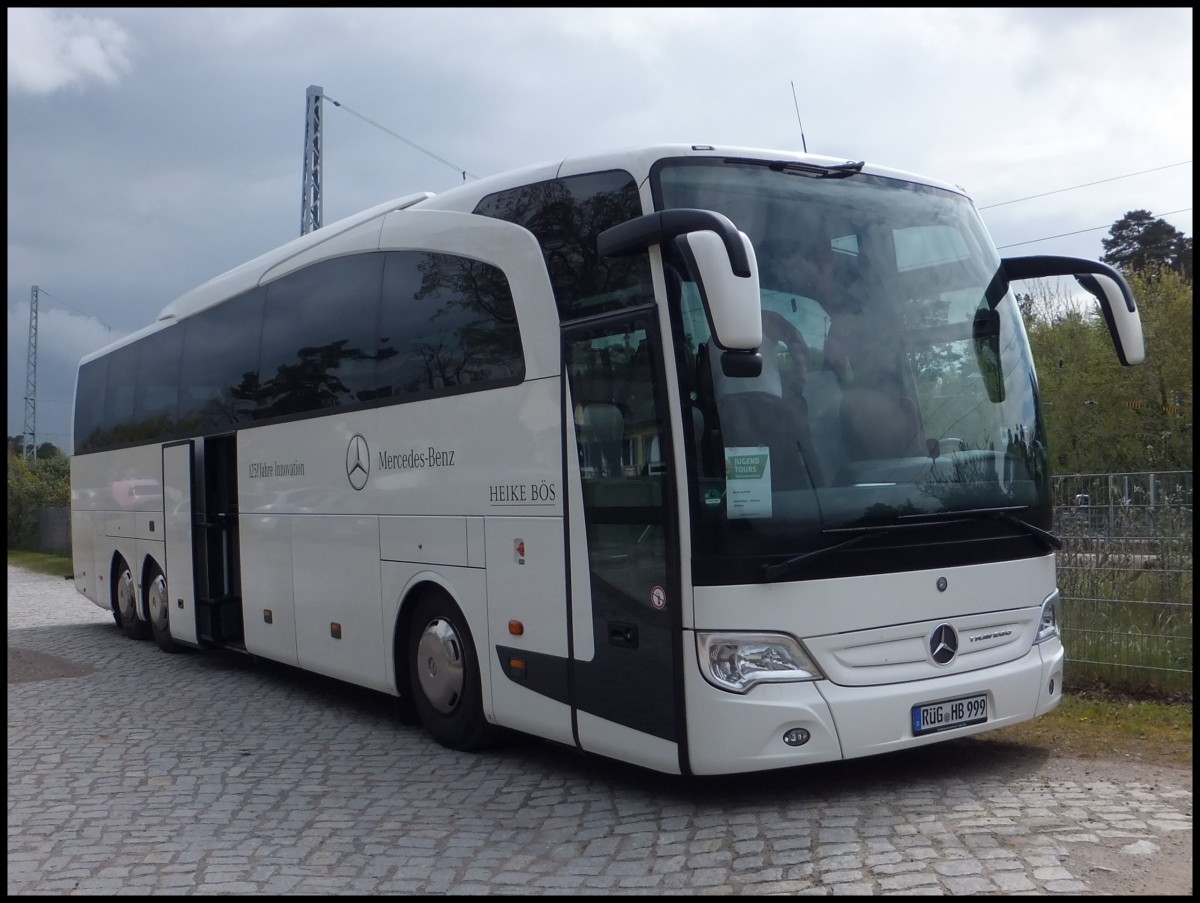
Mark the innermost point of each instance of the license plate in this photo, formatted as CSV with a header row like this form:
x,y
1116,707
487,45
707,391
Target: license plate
x,y
942,716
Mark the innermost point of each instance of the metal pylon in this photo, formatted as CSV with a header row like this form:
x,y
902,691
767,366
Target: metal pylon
x,y
310,210
29,438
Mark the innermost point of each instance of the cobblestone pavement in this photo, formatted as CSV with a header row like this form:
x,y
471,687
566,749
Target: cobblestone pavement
x,y
133,771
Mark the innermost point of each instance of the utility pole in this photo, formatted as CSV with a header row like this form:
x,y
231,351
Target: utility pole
x,y
310,209
29,438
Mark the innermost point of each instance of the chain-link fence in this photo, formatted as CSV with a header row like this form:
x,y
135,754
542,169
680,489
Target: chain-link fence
x,y
54,531
1125,572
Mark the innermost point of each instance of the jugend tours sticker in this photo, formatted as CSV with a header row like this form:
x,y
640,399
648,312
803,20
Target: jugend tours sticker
x,y
748,481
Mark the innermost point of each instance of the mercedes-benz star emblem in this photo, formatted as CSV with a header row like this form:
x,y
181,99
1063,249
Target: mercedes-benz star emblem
x,y
943,644
358,461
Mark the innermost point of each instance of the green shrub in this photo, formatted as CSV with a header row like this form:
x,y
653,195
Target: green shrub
x,y
34,484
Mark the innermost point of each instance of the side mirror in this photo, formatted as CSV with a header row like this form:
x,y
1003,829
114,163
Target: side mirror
x,y
719,256
1124,322
732,302
1101,281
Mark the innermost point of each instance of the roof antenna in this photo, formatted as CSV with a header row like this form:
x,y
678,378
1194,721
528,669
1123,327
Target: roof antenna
x,y
803,143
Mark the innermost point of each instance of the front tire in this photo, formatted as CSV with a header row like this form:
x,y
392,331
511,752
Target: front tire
x,y
444,675
158,601
126,610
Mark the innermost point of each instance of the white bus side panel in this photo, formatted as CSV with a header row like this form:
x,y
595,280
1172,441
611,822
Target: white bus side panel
x,y
430,540
177,533
119,493
119,525
525,584
596,735
83,553
102,554
430,458
267,586
335,563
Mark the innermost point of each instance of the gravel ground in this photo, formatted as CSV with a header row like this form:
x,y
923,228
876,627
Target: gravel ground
x,y
1153,857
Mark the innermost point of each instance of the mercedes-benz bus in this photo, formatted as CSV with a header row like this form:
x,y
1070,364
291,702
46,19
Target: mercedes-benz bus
x,y
706,459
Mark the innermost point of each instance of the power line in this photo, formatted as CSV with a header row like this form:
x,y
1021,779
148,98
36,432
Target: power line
x,y
1086,185
1033,241
411,144
78,311
465,173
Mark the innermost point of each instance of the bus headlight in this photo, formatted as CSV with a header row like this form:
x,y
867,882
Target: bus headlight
x,y
1051,610
738,661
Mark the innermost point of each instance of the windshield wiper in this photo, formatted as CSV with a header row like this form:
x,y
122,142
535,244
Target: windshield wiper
x,y
832,171
1005,514
789,566
771,571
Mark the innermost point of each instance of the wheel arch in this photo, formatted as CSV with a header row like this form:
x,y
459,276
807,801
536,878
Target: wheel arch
x,y
114,577
150,565
419,586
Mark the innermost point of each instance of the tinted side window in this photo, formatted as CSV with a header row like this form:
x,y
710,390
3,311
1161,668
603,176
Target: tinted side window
x,y
218,384
319,337
118,395
446,323
156,393
130,395
89,406
566,215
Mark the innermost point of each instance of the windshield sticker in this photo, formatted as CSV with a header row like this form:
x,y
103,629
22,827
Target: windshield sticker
x,y
748,481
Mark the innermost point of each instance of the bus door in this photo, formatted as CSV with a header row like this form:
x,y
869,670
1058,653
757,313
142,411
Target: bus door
x,y
625,681
203,561
178,493
218,558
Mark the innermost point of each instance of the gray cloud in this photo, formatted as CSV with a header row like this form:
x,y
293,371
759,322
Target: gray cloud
x,y
49,50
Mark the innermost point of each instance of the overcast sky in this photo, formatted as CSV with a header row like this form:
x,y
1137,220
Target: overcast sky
x,y
150,150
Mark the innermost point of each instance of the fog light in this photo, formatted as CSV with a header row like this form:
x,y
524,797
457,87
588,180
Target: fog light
x,y
797,736
1052,686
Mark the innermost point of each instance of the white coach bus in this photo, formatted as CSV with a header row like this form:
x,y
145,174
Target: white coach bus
x,y
706,459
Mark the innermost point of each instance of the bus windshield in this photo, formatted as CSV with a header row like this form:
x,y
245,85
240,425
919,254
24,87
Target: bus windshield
x,y
897,403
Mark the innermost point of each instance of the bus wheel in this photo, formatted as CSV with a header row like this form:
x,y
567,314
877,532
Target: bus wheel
x,y
159,604
134,627
444,675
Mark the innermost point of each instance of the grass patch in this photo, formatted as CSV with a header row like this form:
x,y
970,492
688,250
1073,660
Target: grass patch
x,y
41,562
1099,723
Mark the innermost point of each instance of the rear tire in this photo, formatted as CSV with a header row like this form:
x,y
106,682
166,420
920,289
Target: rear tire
x,y
158,601
444,675
126,610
